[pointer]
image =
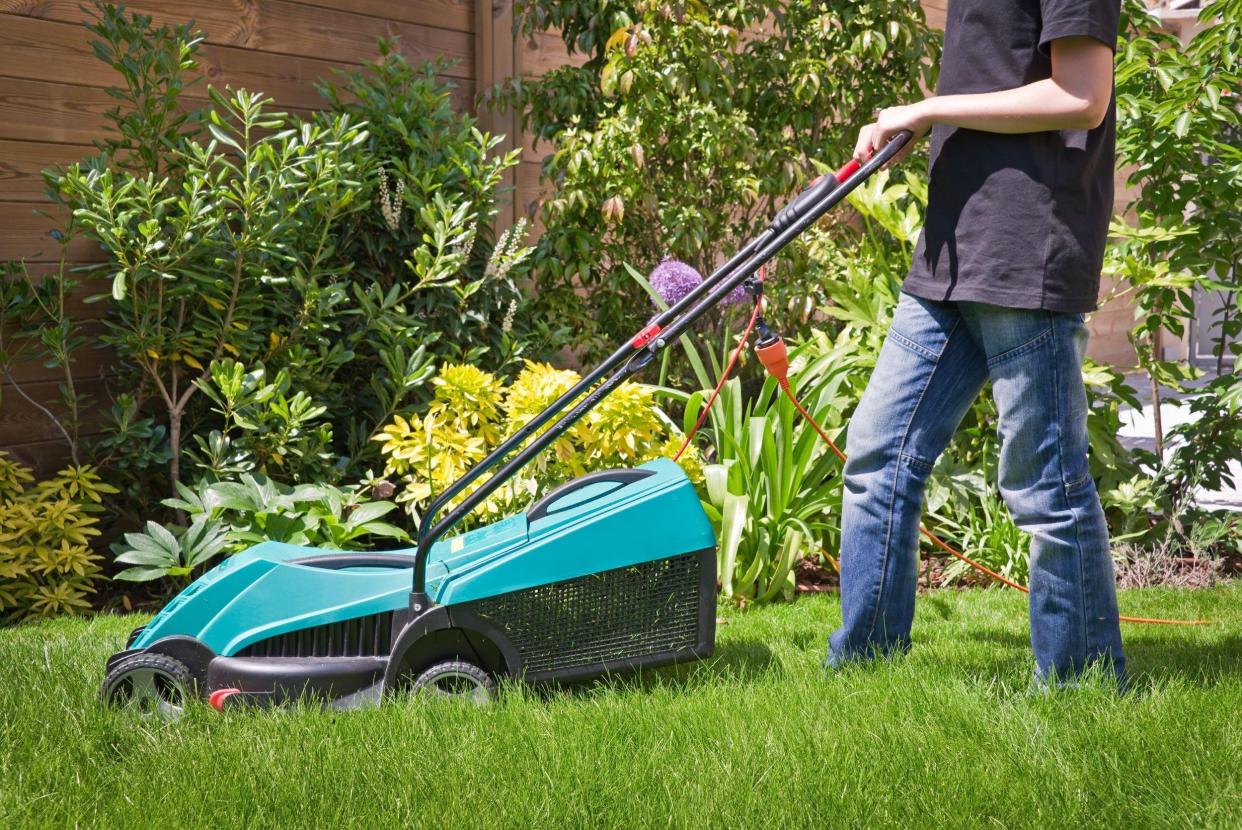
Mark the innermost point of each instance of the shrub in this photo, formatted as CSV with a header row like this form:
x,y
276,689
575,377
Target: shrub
x,y
689,124
421,152
426,268
203,264
1179,121
234,232
473,411
266,427
47,566
228,517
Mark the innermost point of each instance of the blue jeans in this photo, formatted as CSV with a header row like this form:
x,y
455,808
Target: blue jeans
x,y
931,368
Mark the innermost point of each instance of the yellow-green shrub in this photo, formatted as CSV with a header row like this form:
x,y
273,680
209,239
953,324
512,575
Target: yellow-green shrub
x,y
46,564
473,412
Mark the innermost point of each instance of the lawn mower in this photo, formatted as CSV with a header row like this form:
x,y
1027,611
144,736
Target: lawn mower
x,y
609,572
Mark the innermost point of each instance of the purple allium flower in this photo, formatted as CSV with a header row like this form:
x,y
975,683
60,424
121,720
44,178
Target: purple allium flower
x,y
737,295
673,280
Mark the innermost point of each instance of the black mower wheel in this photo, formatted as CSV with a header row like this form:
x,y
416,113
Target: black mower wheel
x,y
457,679
154,685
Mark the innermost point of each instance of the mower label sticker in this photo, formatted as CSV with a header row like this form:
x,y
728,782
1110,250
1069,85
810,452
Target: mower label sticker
x,y
504,527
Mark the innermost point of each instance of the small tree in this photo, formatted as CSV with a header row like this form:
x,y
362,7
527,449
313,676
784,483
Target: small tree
x,y
204,262
1179,119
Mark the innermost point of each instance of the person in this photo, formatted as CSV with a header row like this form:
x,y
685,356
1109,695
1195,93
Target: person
x,y
1019,198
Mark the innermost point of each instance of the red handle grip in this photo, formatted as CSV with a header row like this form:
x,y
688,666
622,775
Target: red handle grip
x,y
851,167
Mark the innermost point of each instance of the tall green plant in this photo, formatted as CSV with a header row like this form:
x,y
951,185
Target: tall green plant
x,y
206,266
426,266
422,153
157,64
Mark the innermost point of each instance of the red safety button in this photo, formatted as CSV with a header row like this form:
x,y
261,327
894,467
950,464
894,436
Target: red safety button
x,y
645,336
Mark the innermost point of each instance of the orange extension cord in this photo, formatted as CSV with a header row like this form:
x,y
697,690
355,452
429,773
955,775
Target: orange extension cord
x,y
776,360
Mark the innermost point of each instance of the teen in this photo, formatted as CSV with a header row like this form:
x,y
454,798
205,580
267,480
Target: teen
x,y
1019,200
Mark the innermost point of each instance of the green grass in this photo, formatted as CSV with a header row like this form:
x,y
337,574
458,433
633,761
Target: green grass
x,y
756,737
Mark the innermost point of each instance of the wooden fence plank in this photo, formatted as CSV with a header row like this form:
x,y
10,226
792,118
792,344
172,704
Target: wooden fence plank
x,y
45,458
46,50
279,26
21,422
22,163
50,112
545,51
46,112
24,234
445,14
495,47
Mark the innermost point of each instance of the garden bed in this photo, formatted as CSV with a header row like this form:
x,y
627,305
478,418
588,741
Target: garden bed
x,y
950,736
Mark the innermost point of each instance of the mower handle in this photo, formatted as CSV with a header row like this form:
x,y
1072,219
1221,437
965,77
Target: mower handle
x,y
820,196
821,186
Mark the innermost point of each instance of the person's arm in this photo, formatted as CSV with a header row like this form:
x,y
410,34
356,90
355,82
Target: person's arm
x,y
1076,97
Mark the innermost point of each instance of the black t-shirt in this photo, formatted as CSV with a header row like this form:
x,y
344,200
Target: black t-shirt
x,y
1016,220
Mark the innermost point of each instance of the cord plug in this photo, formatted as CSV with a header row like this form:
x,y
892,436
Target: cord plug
x,y
772,353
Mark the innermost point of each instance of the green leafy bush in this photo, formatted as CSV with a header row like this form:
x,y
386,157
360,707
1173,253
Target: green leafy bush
x,y
421,154
279,286
688,126
229,516
238,233
1178,129
266,427
426,268
473,411
47,566
203,264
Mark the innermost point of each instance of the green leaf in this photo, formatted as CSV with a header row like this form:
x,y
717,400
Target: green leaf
x,y
141,574
364,513
139,557
1182,125
733,524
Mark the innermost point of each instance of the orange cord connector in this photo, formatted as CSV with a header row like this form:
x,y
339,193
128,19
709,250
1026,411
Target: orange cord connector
x,y
774,356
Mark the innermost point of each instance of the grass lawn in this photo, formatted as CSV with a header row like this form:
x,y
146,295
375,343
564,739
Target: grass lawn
x,y
756,737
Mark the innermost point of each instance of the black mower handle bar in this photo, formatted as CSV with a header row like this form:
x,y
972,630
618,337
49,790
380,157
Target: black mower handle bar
x,y
819,197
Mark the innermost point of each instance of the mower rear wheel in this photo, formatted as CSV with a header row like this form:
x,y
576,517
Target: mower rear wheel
x,y
459,680
154,685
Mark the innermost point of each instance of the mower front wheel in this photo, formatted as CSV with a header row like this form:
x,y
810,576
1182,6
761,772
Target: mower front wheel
x,y
154,685
459,680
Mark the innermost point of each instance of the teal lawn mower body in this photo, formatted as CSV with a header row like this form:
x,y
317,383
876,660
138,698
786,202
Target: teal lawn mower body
x,y
612,571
